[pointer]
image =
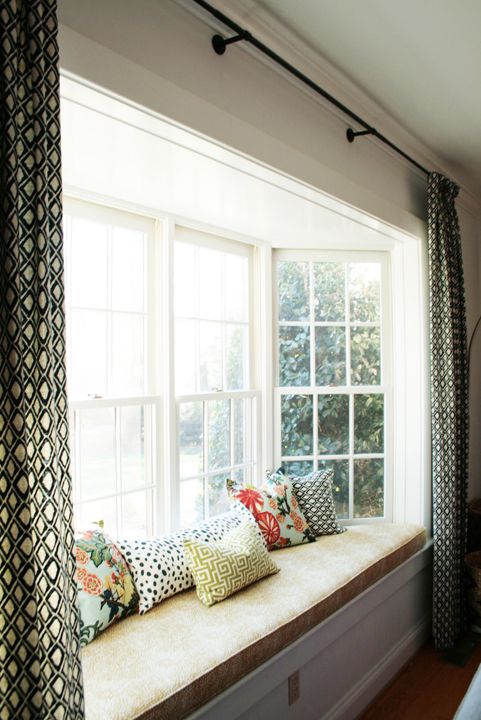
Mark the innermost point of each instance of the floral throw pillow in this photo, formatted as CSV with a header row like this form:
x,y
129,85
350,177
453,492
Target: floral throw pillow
x,y
106,590
315,496
276,511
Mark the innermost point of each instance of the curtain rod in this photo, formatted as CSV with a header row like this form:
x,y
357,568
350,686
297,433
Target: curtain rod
x,y
219,44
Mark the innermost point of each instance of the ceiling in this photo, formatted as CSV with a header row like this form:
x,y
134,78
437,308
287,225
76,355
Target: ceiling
x,y
419,61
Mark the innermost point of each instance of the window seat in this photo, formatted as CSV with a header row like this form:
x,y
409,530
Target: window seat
x,y
181,654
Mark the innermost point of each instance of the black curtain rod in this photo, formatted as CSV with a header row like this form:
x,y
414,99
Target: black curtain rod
x,y
219,44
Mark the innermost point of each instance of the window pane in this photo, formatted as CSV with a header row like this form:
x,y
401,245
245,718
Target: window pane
x,y
240,434
333,424
97,452
191,439
330,356
364,291
296,424
297,469
185,281
340,484
368,488
369,423
127,376
185,355
91,513
132,453
365,356
341,314
210,341
88,353
135,507
329,291
89,253
218,498
191,502
293,289
236,357
210,284
241,475
294,356
218,433
128,261
236,288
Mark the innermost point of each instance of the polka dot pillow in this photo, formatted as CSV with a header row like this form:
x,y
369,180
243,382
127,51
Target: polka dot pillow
x,y
159,566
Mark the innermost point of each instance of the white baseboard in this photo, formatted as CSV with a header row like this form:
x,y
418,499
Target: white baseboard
x,y
373,682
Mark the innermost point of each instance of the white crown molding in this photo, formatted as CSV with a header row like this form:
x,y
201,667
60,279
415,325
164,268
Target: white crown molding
x,y
278,37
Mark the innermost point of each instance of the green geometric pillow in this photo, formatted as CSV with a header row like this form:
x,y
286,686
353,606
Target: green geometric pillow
x,y
222,568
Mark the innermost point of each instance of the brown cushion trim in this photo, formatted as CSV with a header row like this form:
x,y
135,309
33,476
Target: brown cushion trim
x,y
206,687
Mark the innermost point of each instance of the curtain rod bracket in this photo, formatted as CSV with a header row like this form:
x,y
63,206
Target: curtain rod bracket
x,y
219,43
351,135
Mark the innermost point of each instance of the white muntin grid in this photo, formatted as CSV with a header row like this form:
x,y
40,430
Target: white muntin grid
x,y
313,392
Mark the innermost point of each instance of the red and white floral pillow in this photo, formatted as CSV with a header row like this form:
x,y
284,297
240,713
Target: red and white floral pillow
x,y
276,511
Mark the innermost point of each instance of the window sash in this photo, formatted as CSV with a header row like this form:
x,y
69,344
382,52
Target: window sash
x,y
347,388
114,218
250,393
151,414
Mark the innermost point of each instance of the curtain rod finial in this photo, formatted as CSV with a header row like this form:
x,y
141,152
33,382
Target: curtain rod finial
x,y
218,43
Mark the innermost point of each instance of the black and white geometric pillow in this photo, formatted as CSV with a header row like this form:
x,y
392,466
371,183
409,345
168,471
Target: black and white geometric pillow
x,y
315,498
158,565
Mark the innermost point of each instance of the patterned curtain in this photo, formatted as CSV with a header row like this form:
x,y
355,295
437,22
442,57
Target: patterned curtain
x,y
39,647
449,401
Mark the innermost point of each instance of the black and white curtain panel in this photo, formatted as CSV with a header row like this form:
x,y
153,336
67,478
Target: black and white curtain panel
x,y
39,644
449,413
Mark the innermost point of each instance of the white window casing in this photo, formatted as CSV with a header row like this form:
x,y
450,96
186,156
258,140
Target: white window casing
x,y
264,210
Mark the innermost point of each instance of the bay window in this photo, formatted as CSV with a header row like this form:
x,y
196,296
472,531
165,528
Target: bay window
x,y
163,362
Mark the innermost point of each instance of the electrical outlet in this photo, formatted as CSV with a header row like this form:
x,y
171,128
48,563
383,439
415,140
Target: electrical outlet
x,y
294,687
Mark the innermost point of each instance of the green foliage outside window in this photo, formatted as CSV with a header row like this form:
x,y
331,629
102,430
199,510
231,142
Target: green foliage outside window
x,y
341,314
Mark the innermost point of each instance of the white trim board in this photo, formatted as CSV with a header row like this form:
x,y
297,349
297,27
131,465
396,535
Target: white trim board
x,y
85,105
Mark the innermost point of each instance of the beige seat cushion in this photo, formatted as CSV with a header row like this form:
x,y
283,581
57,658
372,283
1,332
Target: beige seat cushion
x,y
181,654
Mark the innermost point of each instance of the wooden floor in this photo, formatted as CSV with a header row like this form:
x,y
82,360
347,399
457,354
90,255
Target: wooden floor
x,y
429,688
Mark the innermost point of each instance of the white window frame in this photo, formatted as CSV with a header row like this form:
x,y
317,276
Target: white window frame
x,y
103,214
152,406
160,399
348,389
237,197
410,496
199,238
